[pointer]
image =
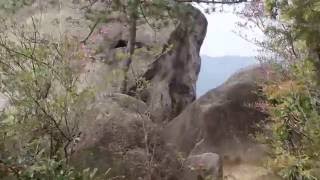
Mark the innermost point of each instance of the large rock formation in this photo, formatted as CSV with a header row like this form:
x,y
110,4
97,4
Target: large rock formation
x,y
120,131
113,132
114,135
117,134
123,132
222,120
174,74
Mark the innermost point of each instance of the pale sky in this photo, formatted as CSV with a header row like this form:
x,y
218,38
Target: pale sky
x,y
221,40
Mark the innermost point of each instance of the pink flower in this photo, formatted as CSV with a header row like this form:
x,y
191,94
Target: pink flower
x,y
94,37
82,46
87,51
104,30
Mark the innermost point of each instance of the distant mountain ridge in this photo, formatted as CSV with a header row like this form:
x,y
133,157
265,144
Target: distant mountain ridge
x,y
216,70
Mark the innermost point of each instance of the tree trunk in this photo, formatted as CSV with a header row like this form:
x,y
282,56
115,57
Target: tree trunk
x,y
133,16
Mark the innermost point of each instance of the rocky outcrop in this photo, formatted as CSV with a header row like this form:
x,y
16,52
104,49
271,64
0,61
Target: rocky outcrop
x,y
174,74
122,132
118,135
222,120
168,58
171,73
113,132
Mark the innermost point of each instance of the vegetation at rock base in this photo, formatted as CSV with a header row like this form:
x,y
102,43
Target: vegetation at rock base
x,y
294,124
40,126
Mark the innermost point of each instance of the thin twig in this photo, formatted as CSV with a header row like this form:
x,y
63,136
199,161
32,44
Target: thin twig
x,y
91,31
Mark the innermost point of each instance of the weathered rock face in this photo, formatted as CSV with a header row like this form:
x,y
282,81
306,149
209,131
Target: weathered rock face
x,y
113,132
172,72
117,133
117,130
221,120
173,75
168,58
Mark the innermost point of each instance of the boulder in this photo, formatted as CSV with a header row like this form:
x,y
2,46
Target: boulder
x,y
174,74
113,131
117,133
204,166
222,120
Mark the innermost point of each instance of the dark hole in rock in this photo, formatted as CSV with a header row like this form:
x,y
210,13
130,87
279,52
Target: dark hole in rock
x,y
139,45
121,43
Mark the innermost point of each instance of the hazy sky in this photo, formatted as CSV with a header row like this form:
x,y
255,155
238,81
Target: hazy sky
x,y
221,40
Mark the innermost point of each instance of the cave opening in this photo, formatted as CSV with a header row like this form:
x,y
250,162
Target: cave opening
x,y
120,43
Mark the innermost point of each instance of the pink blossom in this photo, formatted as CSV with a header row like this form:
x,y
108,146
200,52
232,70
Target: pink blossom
x,y
104,30
87,51
94,37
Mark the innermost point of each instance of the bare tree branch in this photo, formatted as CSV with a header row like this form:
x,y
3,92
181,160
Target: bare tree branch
x,y
91,31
